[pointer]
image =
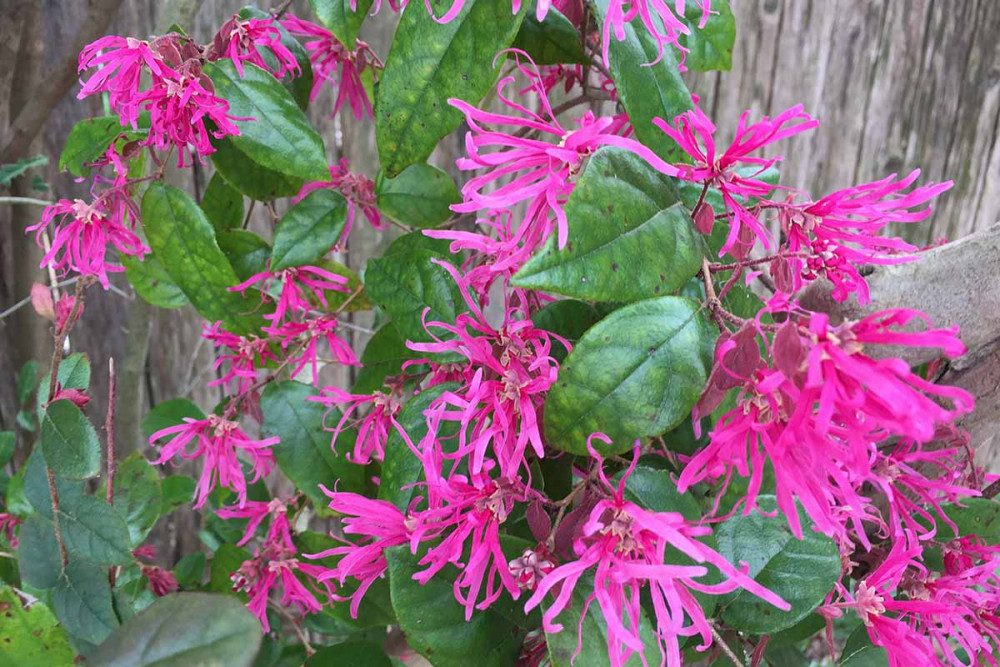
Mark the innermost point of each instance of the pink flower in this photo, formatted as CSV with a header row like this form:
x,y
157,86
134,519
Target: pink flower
x,y
377,525
358,189
295,283
217,441
8,522
255,511
305,337
663,24
161,582
277,568
622,547
246,354
536,172
334,62
240,40
121,63
82,235
694,134
373,428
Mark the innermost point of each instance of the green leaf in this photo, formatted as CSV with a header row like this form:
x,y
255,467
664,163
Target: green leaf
x,y
184,241
405,282
592,636
30,636
184,629
152,282
246,252
69,441
308,229
89,139
254,180
421,196
27,381
82,602
94,531
553,41
710,48
298,85
7,442
190,570
434,623
646,90
38,553
384,355
636,373
975,516
342,21
629,239
169,413
138,496
226,560
8,172
279,136
350,653
304,453
222,204
36,487
177,490
656,490
567,318
800,571
860,652
74,372
401,468
429,63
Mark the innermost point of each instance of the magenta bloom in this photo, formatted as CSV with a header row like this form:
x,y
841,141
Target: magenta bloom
x,y
377,525
373,428
695,135
295,283
334,62
279,533
358,189
537,172
622,547
121,63
8,523
241,40
244,356
218,442
277,569
82,235
305,338
663,24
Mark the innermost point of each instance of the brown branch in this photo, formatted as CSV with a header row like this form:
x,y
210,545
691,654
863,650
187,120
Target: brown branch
x,y
35,112
109,430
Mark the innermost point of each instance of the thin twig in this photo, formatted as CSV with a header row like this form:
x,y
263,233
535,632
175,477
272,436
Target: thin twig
x,y
26,300
725,647
109,430
25,200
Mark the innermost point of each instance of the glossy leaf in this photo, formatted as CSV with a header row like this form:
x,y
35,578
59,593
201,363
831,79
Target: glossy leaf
x,y
184,241
82,602
860,652
152,282
656,490
800,571
629,239
279,135
69,441
384,355
308,229
169,413
711,47
30,636
567,318
552,41
247,253
88,140
364,653
646,89
298,84
430,63
304,453
222,204
342,21
184,629
635,373
975,516
138,496
434,623
252,179
421,196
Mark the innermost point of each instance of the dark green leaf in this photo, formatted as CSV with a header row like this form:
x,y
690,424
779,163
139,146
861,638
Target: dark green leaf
x,y
800,571
30,636
656,490
430,63
38,553
184,241
246,252
82,602
299,84
190,570
169,413
350,653
421,196
304,453
434,623
184,629
383,356
253,180
567,318
646,89
401,468
342,21
27,381
860,652
975,516
177,490
308,229
222,204
553,41
405,282
635,373
711,47
138,496
94,531
74,372
629,239
7,441
36,486
152,282
89,139
69,441
279,136
226,560
8,172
